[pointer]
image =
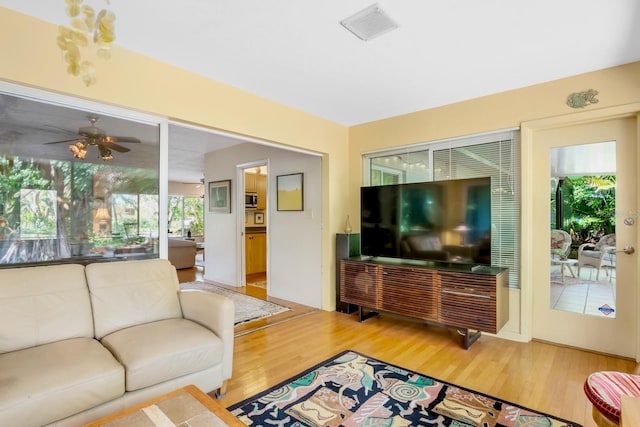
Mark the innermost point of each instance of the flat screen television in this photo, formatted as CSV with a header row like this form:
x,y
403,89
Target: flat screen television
x,y
440,221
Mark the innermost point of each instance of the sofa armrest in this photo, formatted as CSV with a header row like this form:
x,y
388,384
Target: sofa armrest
x,y
214,312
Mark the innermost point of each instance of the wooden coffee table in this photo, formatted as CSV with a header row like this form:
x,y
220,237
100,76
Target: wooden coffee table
x,y
187,404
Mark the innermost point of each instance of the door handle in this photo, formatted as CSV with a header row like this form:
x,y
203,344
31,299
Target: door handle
x,y
627,250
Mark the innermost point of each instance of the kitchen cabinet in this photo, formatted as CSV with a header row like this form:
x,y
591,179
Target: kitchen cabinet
x,y
255,252
250,182
257,183
261,189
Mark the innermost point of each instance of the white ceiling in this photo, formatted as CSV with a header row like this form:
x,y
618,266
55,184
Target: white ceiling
x,y
187,148
444,51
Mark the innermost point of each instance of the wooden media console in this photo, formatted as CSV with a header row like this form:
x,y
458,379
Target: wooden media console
x,y
461,296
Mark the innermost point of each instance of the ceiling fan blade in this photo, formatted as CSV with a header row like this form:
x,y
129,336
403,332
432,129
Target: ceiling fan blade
x,y
122,139
79,138
93,135
112,146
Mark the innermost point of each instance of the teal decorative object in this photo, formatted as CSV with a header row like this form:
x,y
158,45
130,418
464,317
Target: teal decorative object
x,y
582,99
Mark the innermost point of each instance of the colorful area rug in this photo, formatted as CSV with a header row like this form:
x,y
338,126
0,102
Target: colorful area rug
x,y
355,390
247,307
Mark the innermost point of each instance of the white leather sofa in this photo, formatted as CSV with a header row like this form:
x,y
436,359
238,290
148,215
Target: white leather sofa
x,y
79,343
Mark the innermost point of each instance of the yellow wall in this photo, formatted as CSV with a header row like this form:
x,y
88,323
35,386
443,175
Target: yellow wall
x,y
31,57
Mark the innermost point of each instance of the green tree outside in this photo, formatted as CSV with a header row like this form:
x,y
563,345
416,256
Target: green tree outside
x,y
588,204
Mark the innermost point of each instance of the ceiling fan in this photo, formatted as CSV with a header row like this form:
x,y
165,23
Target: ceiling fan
x,y
93,135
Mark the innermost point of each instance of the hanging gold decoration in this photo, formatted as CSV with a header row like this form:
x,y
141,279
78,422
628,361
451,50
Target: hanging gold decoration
x,y
86,29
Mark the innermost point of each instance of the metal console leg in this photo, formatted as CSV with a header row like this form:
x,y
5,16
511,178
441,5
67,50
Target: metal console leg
x,y
470,338
364,316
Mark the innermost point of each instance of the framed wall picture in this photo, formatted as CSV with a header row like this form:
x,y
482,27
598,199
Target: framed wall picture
x,y
220,196
258,217
290,192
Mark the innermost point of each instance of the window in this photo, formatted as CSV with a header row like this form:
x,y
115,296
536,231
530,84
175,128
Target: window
x,y
494,154
134,215
52,210
38,214
399,168
186,216
56,207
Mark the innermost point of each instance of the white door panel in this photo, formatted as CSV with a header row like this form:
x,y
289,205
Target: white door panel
x,y
614,334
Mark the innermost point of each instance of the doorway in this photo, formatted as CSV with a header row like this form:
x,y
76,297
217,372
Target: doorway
x,y
255,265
611,327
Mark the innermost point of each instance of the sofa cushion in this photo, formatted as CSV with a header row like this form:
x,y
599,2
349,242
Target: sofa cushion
x,y
42,384
40,305
129,293
163,350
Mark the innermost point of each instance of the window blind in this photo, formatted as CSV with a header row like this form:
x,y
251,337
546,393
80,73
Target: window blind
x,y
497,155
499,159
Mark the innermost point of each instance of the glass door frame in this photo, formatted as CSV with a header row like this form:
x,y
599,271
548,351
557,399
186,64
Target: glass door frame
x,y
529,209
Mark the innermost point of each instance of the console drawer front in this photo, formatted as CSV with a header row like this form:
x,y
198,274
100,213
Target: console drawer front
x,y
360,284
468,301
410,292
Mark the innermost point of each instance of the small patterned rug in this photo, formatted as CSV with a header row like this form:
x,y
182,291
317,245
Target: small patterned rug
x,y
355,390
247,307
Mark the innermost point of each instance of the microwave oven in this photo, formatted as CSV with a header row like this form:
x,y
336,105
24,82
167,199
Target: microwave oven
x,y
250,200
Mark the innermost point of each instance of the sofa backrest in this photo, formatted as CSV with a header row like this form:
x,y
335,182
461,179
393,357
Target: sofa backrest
x,y
39,305
129,293
181,243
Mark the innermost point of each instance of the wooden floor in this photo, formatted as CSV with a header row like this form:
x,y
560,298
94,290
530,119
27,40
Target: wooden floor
x,y
295,310
540,376
537,375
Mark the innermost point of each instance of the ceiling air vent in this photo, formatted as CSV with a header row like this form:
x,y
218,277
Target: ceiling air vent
x,y
369,23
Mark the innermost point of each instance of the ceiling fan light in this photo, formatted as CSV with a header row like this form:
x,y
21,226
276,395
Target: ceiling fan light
x,y
105,153
79,150
94,136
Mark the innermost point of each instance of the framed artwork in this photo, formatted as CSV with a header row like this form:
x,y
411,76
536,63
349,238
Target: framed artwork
x,y
290,192
220,196
258,217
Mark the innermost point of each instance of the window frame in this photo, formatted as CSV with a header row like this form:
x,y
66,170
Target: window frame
x,y
508,254
56,99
